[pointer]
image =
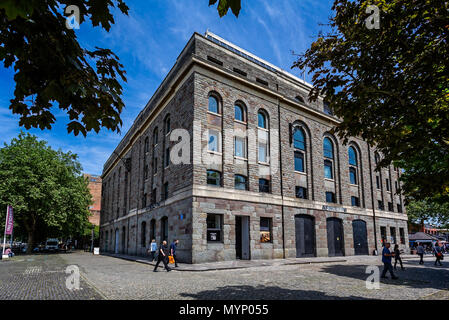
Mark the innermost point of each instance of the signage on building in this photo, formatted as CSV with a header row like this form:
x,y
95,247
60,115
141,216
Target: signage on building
x,y
335,209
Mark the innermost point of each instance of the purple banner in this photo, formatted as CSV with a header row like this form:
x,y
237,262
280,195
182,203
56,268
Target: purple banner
x,y
9,221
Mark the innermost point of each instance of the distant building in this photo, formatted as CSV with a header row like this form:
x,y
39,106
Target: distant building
x,y
95,190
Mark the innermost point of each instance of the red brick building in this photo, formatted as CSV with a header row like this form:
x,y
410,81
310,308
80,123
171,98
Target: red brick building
x,y
95,189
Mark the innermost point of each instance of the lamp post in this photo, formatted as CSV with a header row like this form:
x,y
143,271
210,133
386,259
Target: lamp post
x,y
92,239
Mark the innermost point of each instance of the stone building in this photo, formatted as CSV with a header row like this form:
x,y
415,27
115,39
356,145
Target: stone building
x,y
94,186
231,158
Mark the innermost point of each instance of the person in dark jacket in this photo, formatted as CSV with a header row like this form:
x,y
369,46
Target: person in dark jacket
x,y
162,256
173,246
397,257
438,254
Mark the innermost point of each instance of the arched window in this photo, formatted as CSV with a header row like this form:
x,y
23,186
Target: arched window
x,y
239,113
240,182
328,148
167,125
298,139
147,145
262,120
144,233
155,137
213,104
213,178
352,156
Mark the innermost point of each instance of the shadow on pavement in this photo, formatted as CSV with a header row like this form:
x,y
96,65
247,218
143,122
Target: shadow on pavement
x,y
262,292
428,276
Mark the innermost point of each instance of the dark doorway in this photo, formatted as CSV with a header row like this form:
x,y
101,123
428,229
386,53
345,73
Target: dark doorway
x,y
305,236
335,242
360,237
242,237
164,229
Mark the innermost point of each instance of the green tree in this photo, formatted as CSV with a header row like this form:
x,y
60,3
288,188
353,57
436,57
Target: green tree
x,y
53,69
390,85
428,211
45,187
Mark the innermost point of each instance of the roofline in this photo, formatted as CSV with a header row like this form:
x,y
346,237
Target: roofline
x,y
282,71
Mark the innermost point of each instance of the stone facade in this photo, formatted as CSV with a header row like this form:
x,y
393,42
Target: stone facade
x,y
146,196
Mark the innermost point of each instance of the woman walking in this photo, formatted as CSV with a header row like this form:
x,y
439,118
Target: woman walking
x,y
438,254
397,257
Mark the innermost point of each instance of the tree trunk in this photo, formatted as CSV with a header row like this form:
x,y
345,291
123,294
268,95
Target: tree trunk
x,y
30,241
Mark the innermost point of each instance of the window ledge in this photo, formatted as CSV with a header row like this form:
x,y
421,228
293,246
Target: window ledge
x,y
331,180
240,158
301,172
215,152
263,163
213,113
353,185
241,122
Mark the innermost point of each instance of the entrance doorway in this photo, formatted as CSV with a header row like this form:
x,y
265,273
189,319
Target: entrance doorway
x,y
335,242
242,237
116,240
360,237
305,236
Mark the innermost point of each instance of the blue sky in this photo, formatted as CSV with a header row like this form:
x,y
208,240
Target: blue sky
x,y
148,42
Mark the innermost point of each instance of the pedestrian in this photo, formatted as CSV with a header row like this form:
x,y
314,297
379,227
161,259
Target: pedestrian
x,y
386,259
153,250
438,254
420,252
397,257
162,256
173,246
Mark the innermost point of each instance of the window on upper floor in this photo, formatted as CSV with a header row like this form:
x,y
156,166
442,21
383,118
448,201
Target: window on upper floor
x,y
330,197
352,175
240,182
240,147
239,112
264,185
328,148
327,109
299,141
328,170
213,143
355,202
299,161
213,178
262,120
213,104
301,192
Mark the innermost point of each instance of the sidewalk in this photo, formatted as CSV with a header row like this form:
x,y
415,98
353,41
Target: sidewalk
x,y
242,264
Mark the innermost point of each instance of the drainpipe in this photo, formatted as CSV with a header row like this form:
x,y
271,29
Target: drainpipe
x,y
372,196
281,180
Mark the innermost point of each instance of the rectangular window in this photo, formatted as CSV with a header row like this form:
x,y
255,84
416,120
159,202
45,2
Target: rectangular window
x,y
153,196
264,185
330,197
299,161
243,73
399,208
390,206
387,182
301,192
396,186
144,201
214,227
165,191
213,143
265,229
214,178
328,174
216,61
393,234
402,235
380,205
240,147
355,201
261,81
154,165
377,182
263,154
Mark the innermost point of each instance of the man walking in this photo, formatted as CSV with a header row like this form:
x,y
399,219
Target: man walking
x,y
420,252
173,246
386,259
438,254
153,250
162,256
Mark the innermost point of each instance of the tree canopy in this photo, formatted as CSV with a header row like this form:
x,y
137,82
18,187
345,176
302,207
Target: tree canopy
x,y
52,68
390,85
45,187
427,211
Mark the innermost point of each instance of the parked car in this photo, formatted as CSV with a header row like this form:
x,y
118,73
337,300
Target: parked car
x,y
51,245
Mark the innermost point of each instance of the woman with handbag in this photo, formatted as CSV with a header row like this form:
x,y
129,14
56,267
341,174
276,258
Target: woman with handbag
x,y
397,257
438,254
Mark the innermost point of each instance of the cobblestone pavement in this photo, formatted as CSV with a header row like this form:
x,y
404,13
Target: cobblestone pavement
x,y
120,279
40,277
